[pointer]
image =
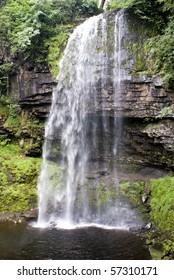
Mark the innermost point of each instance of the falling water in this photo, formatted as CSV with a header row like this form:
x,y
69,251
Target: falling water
x,y
77,148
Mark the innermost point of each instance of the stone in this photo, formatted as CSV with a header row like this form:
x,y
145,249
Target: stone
x,y
32,89
30,215
148,226
144,198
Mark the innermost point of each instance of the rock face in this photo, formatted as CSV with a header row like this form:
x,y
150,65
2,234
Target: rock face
x,y
32,88
141,98
148,143
144,105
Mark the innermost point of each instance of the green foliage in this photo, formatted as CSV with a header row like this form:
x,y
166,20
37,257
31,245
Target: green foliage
x,y
161,52
162,203
25,25
115,4
5,70
13,119
11,112
150,11
160,47
167,5
9,151
71,9
133,191
56,45
161,244
18,180
23,127
158,13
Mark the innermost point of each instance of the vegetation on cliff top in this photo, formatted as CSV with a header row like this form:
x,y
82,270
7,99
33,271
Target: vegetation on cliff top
x,y
30,27
40,29
160,14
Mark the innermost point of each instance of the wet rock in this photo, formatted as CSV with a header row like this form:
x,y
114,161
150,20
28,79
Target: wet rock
x,y
134,229
144,198
157,254
30,215
15,218
148,226
32,88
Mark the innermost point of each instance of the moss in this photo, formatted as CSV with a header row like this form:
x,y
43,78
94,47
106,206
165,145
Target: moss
x,y
162,202
156,254
159,209
56,46
21,127
161,244
140,57
100,194
161,199
18,180
133,191
18,173
104,193
137,45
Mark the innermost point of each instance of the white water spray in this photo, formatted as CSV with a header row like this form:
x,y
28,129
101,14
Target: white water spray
x,y
73,147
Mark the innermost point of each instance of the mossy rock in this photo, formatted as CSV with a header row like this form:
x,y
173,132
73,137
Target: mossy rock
x,y
156,254
161,244
18,180
133,191
162,202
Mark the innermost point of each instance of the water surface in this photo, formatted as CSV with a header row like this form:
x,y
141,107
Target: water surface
x,y
22,241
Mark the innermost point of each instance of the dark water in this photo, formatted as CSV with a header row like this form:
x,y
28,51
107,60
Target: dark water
x,y
28,243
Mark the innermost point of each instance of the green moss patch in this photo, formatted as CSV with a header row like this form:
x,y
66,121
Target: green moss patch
x,y
161,244
158,207
162,202
133,191
21,127
18,180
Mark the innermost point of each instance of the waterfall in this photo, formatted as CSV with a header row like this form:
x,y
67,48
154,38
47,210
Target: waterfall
x,y
77,149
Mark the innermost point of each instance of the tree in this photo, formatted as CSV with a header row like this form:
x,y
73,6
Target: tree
x,y
25,25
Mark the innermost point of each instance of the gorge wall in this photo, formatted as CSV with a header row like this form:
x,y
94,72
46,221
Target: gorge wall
x,y
31,87
145,106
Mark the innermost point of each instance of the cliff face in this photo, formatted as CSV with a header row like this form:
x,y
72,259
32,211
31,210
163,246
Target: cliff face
x,y
145,106
32,88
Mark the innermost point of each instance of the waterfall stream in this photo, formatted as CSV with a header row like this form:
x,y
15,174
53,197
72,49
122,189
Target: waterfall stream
x,y
78,149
